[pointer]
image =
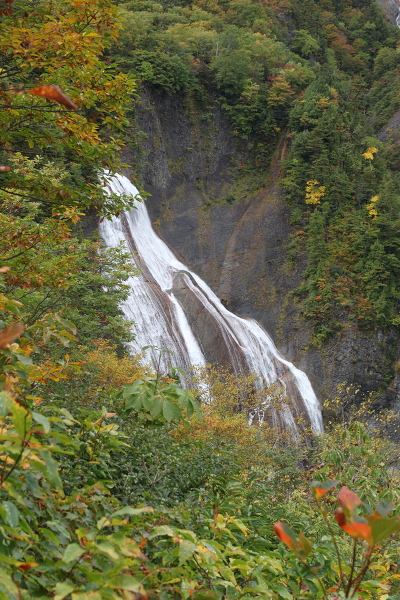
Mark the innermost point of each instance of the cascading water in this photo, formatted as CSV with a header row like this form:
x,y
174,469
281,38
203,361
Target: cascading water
x,y
396,6
173,308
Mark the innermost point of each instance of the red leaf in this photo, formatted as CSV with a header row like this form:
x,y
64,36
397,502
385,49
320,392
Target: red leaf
x,y
5,169
26,566
9,334
53,92
6,8
340,517
286,535
356,529
320,488
348,499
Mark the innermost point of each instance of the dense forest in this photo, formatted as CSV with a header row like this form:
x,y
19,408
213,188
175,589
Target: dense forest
x,y
115,481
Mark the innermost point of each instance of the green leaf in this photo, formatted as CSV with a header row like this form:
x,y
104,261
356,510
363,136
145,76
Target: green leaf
x,y
72,552
42,420
8,560
20,418
384,508
87,596
197,409
129,510
126,582
282,591
66,412
12,513
103,522
51,470
186,551
62,590
5,403
310,583
240,525
50,535
162,530
109,550
65,323
129,390
171,411
305,546
135,402
383,528
147,400
156,407
8,583
25,360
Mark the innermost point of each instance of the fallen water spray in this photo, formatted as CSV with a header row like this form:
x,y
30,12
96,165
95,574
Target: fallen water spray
x,y
160,300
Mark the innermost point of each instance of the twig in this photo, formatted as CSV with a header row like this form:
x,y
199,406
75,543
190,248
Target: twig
x,y
341,573
21,107
353,564
363,570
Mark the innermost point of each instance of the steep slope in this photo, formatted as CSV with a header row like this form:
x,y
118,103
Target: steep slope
x,y
272,171
241,248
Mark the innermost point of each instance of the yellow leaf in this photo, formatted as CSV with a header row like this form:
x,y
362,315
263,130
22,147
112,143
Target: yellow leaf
x,y
369,153
314,193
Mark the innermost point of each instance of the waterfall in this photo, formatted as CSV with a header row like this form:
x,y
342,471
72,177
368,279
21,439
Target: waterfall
x,y
396,6
173,308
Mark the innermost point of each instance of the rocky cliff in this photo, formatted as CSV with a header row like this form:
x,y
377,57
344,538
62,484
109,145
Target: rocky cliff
x,y
390,8
237,240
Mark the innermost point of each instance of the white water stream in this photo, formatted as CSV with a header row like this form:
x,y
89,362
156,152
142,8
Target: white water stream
x,y
163,295
396,6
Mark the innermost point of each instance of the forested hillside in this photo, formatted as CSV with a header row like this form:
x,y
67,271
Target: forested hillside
x,y
115,481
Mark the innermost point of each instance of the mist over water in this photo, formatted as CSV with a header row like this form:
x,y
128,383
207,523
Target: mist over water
x,y
155,304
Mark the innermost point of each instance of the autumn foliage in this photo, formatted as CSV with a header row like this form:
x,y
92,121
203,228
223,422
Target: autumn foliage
x,y
372,528
59,99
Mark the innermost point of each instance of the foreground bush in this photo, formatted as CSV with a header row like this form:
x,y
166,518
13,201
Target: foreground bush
x,y
69,477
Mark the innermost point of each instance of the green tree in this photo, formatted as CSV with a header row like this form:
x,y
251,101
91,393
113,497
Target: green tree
x,y
60,44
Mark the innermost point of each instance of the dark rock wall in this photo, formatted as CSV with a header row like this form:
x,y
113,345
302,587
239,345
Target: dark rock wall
x,y
239,246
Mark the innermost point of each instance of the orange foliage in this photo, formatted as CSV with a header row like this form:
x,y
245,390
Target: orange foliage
x,y
111,371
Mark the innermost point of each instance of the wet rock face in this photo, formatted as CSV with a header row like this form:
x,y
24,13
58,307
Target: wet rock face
x,y
216,347
391,8
238,242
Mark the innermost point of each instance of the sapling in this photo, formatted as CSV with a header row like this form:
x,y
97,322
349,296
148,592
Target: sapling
x,y
367,532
